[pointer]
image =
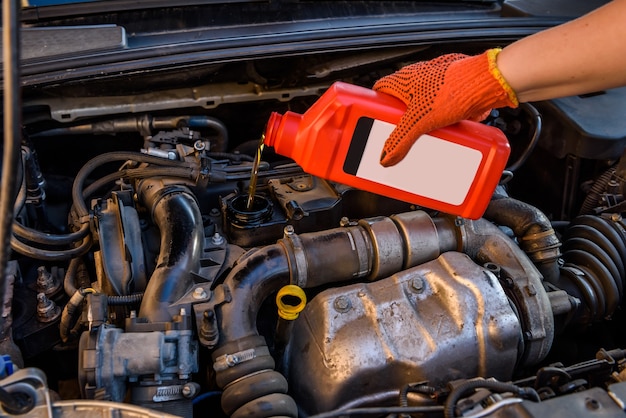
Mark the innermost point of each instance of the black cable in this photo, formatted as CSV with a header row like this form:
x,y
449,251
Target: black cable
x,y
376,398
20,199
467,387
414,388
123,300
420,388
11,154
533,141
381,410
70,313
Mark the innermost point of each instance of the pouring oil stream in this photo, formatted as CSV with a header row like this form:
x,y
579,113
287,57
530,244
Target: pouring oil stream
x,y
255,174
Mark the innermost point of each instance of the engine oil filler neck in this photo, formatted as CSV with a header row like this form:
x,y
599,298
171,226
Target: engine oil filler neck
x,y
238,212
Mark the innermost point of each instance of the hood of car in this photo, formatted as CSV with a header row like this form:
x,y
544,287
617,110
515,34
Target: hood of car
x,y
164,260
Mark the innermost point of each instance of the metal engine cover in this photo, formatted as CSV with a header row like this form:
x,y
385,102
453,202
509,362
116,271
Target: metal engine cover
x,y
443,320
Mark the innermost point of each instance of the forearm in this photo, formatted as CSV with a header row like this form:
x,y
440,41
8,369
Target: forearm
x,y
585,55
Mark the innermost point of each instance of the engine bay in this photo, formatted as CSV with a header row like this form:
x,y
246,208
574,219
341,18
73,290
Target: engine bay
x,y
141,282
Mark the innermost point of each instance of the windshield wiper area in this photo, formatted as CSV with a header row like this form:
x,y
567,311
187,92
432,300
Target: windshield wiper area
x,y
50,9
39,43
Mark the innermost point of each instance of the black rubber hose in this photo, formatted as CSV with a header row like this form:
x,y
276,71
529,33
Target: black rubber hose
x,y
251,281
522,218
12,109
91,165
50,255
177,215
26,233
253,388
221,144
69,279
499,387
181,173
256,386
533,229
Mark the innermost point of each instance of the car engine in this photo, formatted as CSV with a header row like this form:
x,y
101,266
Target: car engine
x,y
141,283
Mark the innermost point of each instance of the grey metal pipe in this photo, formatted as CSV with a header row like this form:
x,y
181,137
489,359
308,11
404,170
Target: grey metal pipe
x,y
485,243
376,248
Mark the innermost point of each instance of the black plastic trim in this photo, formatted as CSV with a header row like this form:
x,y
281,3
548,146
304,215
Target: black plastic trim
x,y
146,53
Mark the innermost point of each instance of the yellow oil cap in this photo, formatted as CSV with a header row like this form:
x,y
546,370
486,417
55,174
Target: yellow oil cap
x,y
290,300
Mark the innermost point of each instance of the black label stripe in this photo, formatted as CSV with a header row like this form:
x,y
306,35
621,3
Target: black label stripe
x,y
357,145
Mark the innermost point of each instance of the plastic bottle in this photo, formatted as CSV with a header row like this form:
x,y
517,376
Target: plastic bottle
x,y
454,169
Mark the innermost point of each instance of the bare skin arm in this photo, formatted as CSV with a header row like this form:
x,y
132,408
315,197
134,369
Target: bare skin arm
x,y
582,56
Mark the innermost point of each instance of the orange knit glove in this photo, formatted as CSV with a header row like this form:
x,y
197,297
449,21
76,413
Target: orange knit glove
x,y
441,92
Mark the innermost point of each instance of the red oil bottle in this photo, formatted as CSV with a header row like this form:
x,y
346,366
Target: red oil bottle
x,y
454,169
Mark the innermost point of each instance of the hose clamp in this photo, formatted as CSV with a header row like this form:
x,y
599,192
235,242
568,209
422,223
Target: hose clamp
x,y
297,258
227,361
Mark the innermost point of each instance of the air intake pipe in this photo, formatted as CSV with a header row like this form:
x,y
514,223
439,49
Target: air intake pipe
x,y
533,231
176,214
374,248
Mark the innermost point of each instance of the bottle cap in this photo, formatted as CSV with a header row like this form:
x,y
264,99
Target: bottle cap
x,y
281,132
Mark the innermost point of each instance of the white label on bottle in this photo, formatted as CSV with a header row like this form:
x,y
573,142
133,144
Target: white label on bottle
x,y
433,168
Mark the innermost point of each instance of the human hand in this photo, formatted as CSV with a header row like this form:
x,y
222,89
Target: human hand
x,y
441,92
